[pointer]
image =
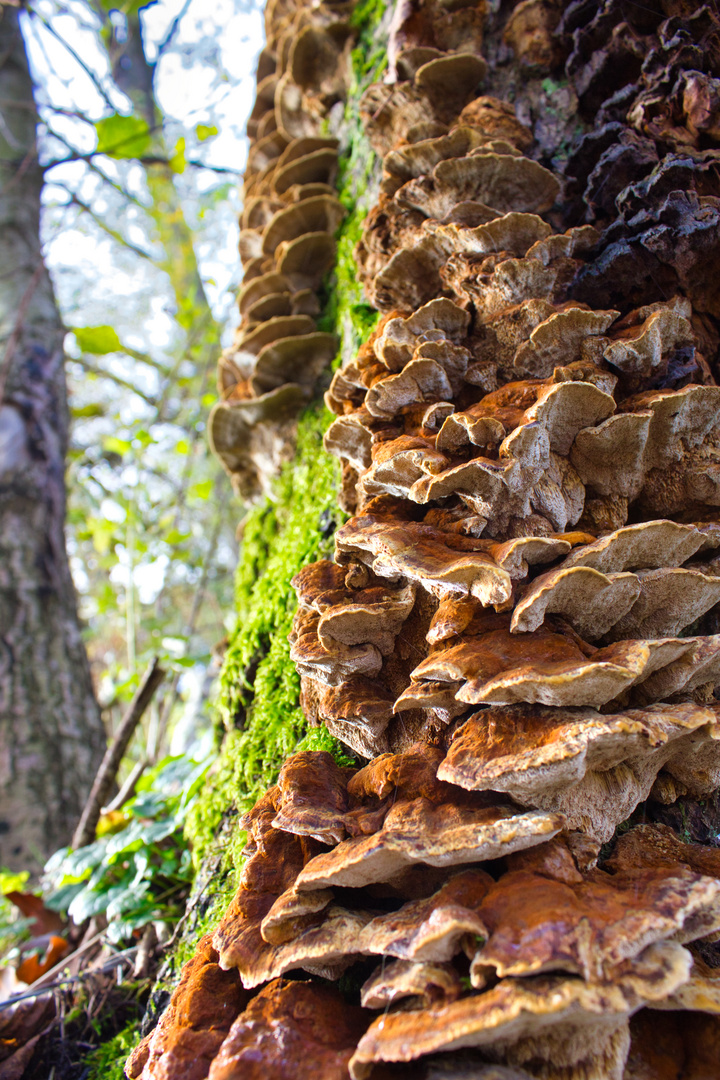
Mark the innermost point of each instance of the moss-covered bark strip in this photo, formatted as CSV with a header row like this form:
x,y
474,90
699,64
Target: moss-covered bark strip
x,y
259,699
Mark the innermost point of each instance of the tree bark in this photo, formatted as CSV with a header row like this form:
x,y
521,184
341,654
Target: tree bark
x,y
51,733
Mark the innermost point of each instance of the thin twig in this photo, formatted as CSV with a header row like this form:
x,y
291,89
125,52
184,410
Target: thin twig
x,y
85,832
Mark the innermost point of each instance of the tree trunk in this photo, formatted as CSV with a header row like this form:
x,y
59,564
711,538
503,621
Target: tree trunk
x,y
51,733
600,118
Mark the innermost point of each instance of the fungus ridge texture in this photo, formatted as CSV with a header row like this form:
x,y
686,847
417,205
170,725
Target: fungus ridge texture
x,y
518,629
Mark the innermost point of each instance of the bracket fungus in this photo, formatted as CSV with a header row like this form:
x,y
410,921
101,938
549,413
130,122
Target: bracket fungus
x,y
518,628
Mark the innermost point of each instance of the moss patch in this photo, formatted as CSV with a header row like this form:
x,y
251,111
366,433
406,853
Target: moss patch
x,y
259,700
106,1063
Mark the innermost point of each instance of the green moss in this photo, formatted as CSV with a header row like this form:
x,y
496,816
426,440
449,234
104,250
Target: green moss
x,y
107,1061
259,700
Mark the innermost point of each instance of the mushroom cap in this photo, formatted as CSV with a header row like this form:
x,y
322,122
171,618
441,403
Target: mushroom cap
x,y
371,615
417,831
546,667
504,181
312,797
406,979
653,431
435,320
536,924
307,259
321,213
454,75
446,564
253,341
530,750
259,287
233,426
291,1031
298,360
433,929
594,767
559,339
513,231
528,1009
192,1028
319,166
292,913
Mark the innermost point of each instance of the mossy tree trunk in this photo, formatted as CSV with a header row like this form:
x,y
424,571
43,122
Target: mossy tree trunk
x,y
51,733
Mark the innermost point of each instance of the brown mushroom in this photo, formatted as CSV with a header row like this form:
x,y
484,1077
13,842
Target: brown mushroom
x,y
593,767
291,1031
193,1027
551,1019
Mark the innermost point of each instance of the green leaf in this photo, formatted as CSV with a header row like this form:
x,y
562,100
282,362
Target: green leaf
x,y
113,445
87,412
130,7
205,131
174,536
97,340
177,161
202,490
122,136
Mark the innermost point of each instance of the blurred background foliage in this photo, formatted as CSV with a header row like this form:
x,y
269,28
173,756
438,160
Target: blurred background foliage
x,y
143,109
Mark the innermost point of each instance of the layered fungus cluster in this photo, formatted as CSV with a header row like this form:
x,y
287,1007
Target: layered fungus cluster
x,y
290,216
518,630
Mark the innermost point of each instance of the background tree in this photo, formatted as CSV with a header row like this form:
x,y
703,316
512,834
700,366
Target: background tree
x,y
51,736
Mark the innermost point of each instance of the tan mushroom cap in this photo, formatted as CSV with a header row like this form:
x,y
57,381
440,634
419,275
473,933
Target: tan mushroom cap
x,y
324,950
292,913
615,456
318,167
431,376
357,711
372,615
548,667
421,157
253,341
312,797
536,924
292,360
702,990
307,259
504,181
418,831
349,438
332,663
406,979
259,287
496,119
436,320
446,564
455,75
433,929
593,767
559,340
591,602
641,349
513,231
563,1021
496,285
649,545
322,213
291,1031
197,1020
244,434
